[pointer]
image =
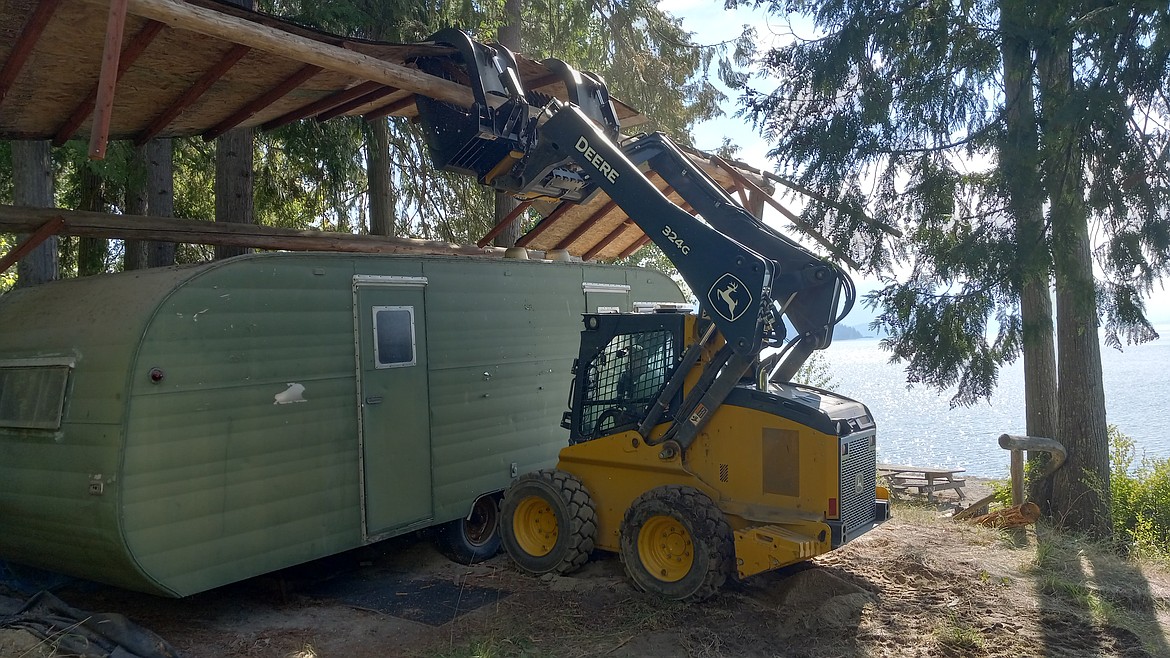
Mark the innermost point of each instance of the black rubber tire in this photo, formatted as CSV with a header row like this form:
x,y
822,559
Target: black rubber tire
x,y
711,541
575,521
473,539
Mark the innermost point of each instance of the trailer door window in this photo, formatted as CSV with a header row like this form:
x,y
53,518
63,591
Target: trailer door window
x,y
394,336
32,397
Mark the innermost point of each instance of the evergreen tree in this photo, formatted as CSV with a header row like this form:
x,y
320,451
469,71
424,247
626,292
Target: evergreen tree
x,y
896,106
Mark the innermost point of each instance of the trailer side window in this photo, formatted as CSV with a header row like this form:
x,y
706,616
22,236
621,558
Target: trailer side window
x,y
32,397
394,336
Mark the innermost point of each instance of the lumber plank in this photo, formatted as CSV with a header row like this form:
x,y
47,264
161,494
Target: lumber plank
x,y
20,219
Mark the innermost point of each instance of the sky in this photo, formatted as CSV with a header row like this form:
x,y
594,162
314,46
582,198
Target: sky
x,y
711,23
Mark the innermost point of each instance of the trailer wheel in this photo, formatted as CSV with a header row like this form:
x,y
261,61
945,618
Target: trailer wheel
x,y
677,544
548,522
475,538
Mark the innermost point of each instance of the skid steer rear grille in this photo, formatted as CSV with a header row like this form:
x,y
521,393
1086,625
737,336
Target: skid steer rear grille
x,y
858,480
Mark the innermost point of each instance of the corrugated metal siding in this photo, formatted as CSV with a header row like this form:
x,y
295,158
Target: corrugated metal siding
x,y
218,483
48,516
221,483
520,323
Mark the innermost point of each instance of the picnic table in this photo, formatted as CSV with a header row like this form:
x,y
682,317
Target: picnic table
x,y
925,479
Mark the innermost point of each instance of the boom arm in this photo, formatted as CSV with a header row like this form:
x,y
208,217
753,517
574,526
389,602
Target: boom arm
x,y
746,275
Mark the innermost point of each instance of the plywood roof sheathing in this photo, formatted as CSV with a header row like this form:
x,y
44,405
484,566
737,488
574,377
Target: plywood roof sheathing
x,y
129,55
544,224
225,63
365,99
390,108
326,103
25,43
267,98
613,235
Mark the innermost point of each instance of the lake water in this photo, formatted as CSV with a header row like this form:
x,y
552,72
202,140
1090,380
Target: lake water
x,y
917,426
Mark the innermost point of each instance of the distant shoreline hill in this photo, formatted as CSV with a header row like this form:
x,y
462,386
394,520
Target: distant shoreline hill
x,y
843,332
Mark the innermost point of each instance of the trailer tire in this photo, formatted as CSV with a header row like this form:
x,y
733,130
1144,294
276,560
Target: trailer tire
x,y
475,538
676,543
548,522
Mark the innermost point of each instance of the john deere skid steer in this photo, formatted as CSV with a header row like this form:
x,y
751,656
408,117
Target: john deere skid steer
x,y
690,454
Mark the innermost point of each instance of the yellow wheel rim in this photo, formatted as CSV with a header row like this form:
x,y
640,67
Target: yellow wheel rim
x,y
665,548
535,526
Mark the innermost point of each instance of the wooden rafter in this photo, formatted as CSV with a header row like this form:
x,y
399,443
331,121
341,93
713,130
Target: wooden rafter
x,y
638,244
131,53
193,93
390,108
792,217
267,98
329,101
103,108
607,240
184,16
544,224
503,224
48,229
365,99
25,43
589,223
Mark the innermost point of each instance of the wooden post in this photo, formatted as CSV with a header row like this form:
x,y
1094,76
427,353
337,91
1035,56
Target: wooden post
x,y
1017,471
104,103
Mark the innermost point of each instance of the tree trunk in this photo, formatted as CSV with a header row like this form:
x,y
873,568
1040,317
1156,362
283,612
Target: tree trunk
x,y
32,185
378,175
1080,493
160,184
91,252
137,203
1020,161
509,36
233,183
233,176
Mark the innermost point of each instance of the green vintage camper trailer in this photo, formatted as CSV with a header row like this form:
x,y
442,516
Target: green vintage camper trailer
x,y
178,429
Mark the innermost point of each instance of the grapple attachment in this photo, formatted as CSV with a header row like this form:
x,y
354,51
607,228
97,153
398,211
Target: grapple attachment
x,y
497,140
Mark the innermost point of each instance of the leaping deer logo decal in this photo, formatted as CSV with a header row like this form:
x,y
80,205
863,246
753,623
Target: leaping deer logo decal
x,y
729,297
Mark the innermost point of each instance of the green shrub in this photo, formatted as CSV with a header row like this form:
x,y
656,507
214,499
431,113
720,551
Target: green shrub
x,y
1141,498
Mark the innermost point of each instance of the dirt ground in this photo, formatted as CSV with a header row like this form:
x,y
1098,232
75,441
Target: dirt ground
x,y
919,585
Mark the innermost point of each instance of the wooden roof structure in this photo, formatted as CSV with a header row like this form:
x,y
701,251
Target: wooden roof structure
x,y
140,69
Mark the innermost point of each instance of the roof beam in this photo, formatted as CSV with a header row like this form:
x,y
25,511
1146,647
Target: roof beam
x,y
133,50
192,94
25,44
19,219
389,108
503,223
365,99
184,16
638,244
605,242
267,98
47,230
792,217
329,101
544,224
586,225
103,107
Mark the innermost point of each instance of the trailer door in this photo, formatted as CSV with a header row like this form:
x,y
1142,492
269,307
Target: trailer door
x,y
393,402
